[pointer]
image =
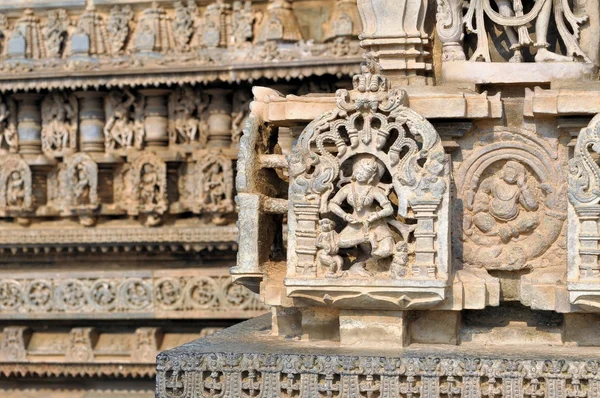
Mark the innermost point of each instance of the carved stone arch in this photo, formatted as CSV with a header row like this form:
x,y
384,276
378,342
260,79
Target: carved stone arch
x,y
350,228
15,185
494,242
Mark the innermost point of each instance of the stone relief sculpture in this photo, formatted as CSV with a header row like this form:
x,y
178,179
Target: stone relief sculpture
x,y
142,188
187,117
512,18
26,41
55,32
118,28
9,139
184,24
242,24
215,25
514,204
206,185
73,188
15,186
239,114
60,113
124,128
382,186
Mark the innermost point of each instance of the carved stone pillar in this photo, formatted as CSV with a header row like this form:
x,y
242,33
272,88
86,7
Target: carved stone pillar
x,y
425,236
307,216
29,120
155,117
394,34
449,29
91,121
219,118
588,241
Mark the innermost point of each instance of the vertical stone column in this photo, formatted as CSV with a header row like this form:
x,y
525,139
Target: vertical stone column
x,y
219,118
449,28
394,34
425,236
91,121
588,241
155,117
307,215
29,121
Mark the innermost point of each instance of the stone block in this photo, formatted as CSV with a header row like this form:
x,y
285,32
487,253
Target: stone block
x,y
435,327
320,324
286,322
581,329
373,329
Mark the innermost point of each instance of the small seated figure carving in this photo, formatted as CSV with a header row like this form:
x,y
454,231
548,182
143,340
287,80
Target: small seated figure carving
x,y
497,205
327,255
367,226
16,189
399,267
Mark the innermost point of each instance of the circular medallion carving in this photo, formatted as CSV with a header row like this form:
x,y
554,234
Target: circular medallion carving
x,y
103,294
10,295
71,294
237,296
39,295
136,293
168,292
201,293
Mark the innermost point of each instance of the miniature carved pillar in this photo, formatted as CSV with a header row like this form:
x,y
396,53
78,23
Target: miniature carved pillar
x,y
449,29
588,241
155,117
219,118
425,237
394,34
91,121
29,120
307,216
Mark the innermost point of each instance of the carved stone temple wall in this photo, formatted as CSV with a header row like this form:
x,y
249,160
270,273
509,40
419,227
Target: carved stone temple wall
x,y
120,126
432,231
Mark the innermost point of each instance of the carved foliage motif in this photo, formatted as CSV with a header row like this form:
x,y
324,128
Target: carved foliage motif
x,y
288,375
15,185
514,202
376,196
59,124
514,19
584,214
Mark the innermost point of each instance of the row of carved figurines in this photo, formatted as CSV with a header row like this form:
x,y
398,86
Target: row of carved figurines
x,y
125,113
206,186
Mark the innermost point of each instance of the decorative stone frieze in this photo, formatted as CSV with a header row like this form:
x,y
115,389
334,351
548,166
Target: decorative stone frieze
x,y
155,42
178,293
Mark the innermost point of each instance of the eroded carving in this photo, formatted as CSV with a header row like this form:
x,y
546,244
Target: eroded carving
x,y
60,113
187,117
124,128
15,186
514,204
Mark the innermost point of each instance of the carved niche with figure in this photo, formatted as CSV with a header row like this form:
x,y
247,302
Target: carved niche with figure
x,y
188,117
73,188
59,124
369,202
15,186
513,203
142,187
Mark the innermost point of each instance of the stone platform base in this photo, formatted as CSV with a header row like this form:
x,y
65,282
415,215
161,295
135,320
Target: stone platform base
x,y
247,361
